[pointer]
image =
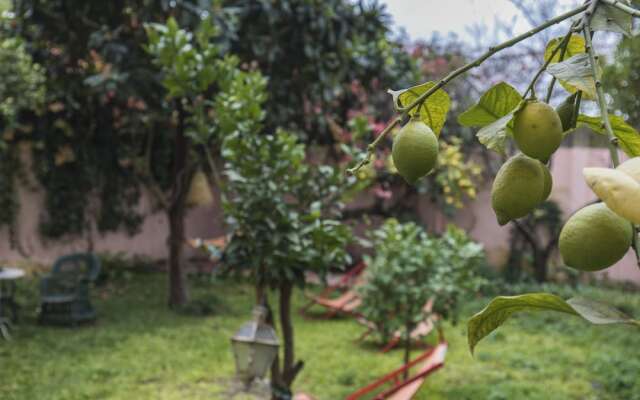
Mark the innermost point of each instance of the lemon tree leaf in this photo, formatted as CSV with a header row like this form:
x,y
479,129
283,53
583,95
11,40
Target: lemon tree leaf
x,y
575,74
495,103
598,313
503,307
612,19
433,111
575,46
493,114
628,137
494,136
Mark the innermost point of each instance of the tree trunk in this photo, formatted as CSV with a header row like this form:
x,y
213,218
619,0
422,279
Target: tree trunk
x,y
540,265
288,373
181,177
407,347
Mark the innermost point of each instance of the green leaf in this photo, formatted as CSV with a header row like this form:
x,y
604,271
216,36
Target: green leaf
x,y
495,103
502,307
575,74
575,46
494,113
598,313
612,19
628,137
433,111
494,135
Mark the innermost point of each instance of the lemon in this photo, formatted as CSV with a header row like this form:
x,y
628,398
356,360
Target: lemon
x,y
537,130
199,193
594,238
548,183
619,191
566,112
415,150
631,167
518,188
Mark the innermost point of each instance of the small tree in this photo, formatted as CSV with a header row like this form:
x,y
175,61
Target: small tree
x,y
193,68
280,209
409,268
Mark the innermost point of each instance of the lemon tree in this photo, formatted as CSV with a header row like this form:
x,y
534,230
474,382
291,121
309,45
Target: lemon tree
x,y
531,130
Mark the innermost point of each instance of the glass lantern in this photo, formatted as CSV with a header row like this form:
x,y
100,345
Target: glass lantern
x,y
255,346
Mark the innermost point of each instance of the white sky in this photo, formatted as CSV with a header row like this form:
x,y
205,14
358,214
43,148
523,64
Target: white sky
x,y
421,18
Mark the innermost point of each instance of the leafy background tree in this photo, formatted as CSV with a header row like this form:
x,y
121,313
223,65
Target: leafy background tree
x,y
409,268
193,68
282,214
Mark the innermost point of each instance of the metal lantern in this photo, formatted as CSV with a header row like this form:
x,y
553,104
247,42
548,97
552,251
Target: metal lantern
x,y
255,346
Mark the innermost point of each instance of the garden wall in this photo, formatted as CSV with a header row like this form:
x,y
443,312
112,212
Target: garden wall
x,y
477,217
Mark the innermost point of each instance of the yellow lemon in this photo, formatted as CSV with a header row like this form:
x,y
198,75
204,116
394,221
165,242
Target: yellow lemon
x,y
517,188
594,238
631,167
537,130
415,150
619,191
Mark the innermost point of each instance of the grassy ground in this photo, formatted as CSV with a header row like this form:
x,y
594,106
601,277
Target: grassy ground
x,y
140,350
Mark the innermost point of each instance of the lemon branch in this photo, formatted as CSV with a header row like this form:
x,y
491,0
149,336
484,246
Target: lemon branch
x,y
457,72
602,103
371,148
562,48
621,6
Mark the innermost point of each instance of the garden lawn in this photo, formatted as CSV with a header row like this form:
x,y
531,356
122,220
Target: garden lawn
x,y
139,349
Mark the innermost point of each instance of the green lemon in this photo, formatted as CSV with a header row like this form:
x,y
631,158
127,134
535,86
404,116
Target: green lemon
x,y
415,150
566,112
537,130
518,188
548,183
594,238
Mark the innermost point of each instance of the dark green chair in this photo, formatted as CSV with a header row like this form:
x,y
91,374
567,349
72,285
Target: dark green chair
x,y
64,293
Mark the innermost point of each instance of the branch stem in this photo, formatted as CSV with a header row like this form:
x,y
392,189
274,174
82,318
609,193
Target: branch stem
x,y
604,114
621,6
454,74
602,102
562,48
372,146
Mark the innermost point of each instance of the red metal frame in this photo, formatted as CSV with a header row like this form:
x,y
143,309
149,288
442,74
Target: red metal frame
x,y
345,281
395,377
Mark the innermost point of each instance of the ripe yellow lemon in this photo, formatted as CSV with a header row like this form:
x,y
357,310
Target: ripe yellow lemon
x,y
594,238
619,191
518,188
631,167
415,150
537,130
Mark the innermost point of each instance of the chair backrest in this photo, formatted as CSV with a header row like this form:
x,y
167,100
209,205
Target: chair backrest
x,y
404,389
77,266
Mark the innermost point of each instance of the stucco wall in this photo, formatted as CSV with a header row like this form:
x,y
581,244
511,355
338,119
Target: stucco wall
x,y
477,217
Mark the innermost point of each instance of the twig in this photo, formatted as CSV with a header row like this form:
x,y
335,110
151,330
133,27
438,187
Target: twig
x,y
492,50
621,6
452,75
371,148
604,114
562,48
562,53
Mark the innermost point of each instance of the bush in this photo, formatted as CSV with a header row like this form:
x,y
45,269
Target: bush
x,y
409,267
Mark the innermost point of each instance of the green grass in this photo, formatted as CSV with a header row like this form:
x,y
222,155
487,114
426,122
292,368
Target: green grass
x,y
140,350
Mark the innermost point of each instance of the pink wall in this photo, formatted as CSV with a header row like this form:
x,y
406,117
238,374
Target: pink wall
x,y
477,217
